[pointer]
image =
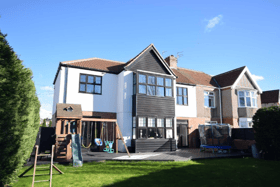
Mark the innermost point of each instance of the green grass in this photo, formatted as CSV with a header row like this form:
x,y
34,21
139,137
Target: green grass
x,y
211,172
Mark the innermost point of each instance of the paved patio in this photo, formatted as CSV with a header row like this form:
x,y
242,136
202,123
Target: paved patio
x,y
179,155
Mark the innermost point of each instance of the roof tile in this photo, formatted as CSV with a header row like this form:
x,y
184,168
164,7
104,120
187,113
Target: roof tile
x,y
98,64
228,78
187,76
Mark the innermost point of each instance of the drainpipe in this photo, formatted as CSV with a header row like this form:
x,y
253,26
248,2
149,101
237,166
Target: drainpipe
x,y
65,84
220,100
220,96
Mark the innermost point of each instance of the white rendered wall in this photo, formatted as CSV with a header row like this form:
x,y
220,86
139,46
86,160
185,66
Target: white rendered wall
x,y
106,102
189,110
175,121
58,89
124,107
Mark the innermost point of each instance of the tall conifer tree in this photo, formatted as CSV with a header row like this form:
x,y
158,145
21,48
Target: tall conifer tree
x,y
19,113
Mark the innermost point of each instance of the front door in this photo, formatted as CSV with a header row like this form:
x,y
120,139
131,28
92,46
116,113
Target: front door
x,y
182,134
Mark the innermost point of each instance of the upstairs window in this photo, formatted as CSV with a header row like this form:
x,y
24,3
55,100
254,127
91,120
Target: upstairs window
x,y
168,87
154,86
247,99
182,96
90,84
209,99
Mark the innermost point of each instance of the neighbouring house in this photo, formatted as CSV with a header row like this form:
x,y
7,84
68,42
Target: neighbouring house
x,y
157,104
47,121
270,98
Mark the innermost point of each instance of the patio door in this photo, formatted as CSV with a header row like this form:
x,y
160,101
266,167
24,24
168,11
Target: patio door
x,y
182,133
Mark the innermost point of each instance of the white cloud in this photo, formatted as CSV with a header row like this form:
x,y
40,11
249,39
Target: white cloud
x,y
213,22
47,88
45,113
257,78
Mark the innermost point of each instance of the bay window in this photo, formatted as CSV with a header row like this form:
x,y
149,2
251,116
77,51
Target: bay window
x,y
154,86
247,98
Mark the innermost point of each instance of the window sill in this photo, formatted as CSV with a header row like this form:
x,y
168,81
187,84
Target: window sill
x,y
247,107
182,105
90,93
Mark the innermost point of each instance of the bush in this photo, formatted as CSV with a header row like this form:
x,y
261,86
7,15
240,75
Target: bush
x,y
267,131
19,113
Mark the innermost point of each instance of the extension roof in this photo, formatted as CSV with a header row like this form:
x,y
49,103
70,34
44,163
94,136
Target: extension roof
x,y
271,96
97,64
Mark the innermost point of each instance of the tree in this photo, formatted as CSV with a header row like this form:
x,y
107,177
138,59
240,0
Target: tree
x,y
19,113
267,129
50,123
44,123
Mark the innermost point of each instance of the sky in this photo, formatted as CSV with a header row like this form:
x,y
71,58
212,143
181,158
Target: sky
x,y
209,36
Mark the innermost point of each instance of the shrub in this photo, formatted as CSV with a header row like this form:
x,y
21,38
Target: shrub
x,y
19,113
267,131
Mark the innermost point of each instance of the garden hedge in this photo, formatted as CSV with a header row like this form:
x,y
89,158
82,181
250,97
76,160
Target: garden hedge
x,y
267,131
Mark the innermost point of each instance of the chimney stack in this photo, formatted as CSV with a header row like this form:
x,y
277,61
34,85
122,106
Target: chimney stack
x,y
171,61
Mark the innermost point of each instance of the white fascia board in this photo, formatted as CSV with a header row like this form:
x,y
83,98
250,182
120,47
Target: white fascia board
x,y
250,75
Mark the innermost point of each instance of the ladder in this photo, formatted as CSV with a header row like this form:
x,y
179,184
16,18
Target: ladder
x,y
35,167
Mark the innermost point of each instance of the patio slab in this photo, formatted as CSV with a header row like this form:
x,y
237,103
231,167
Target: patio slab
x,y
179,155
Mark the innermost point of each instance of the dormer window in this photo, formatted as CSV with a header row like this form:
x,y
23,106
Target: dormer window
x,y
247,98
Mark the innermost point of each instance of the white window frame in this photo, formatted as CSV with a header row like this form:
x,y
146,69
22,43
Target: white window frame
x,y
251,98
207,93
245,123
142,122
152,122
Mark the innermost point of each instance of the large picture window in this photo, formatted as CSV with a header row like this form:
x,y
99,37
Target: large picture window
x,y
154,86
90,84
182,96
152,128
209,99
247,98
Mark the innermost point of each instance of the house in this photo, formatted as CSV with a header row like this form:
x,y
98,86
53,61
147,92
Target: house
x,y
157,104
270,98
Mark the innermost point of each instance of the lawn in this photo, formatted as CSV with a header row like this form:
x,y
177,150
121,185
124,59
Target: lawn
x,y
211,172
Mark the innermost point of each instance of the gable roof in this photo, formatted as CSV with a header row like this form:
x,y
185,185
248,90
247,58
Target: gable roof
x,y
131,61
271,96
228,78
187,76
